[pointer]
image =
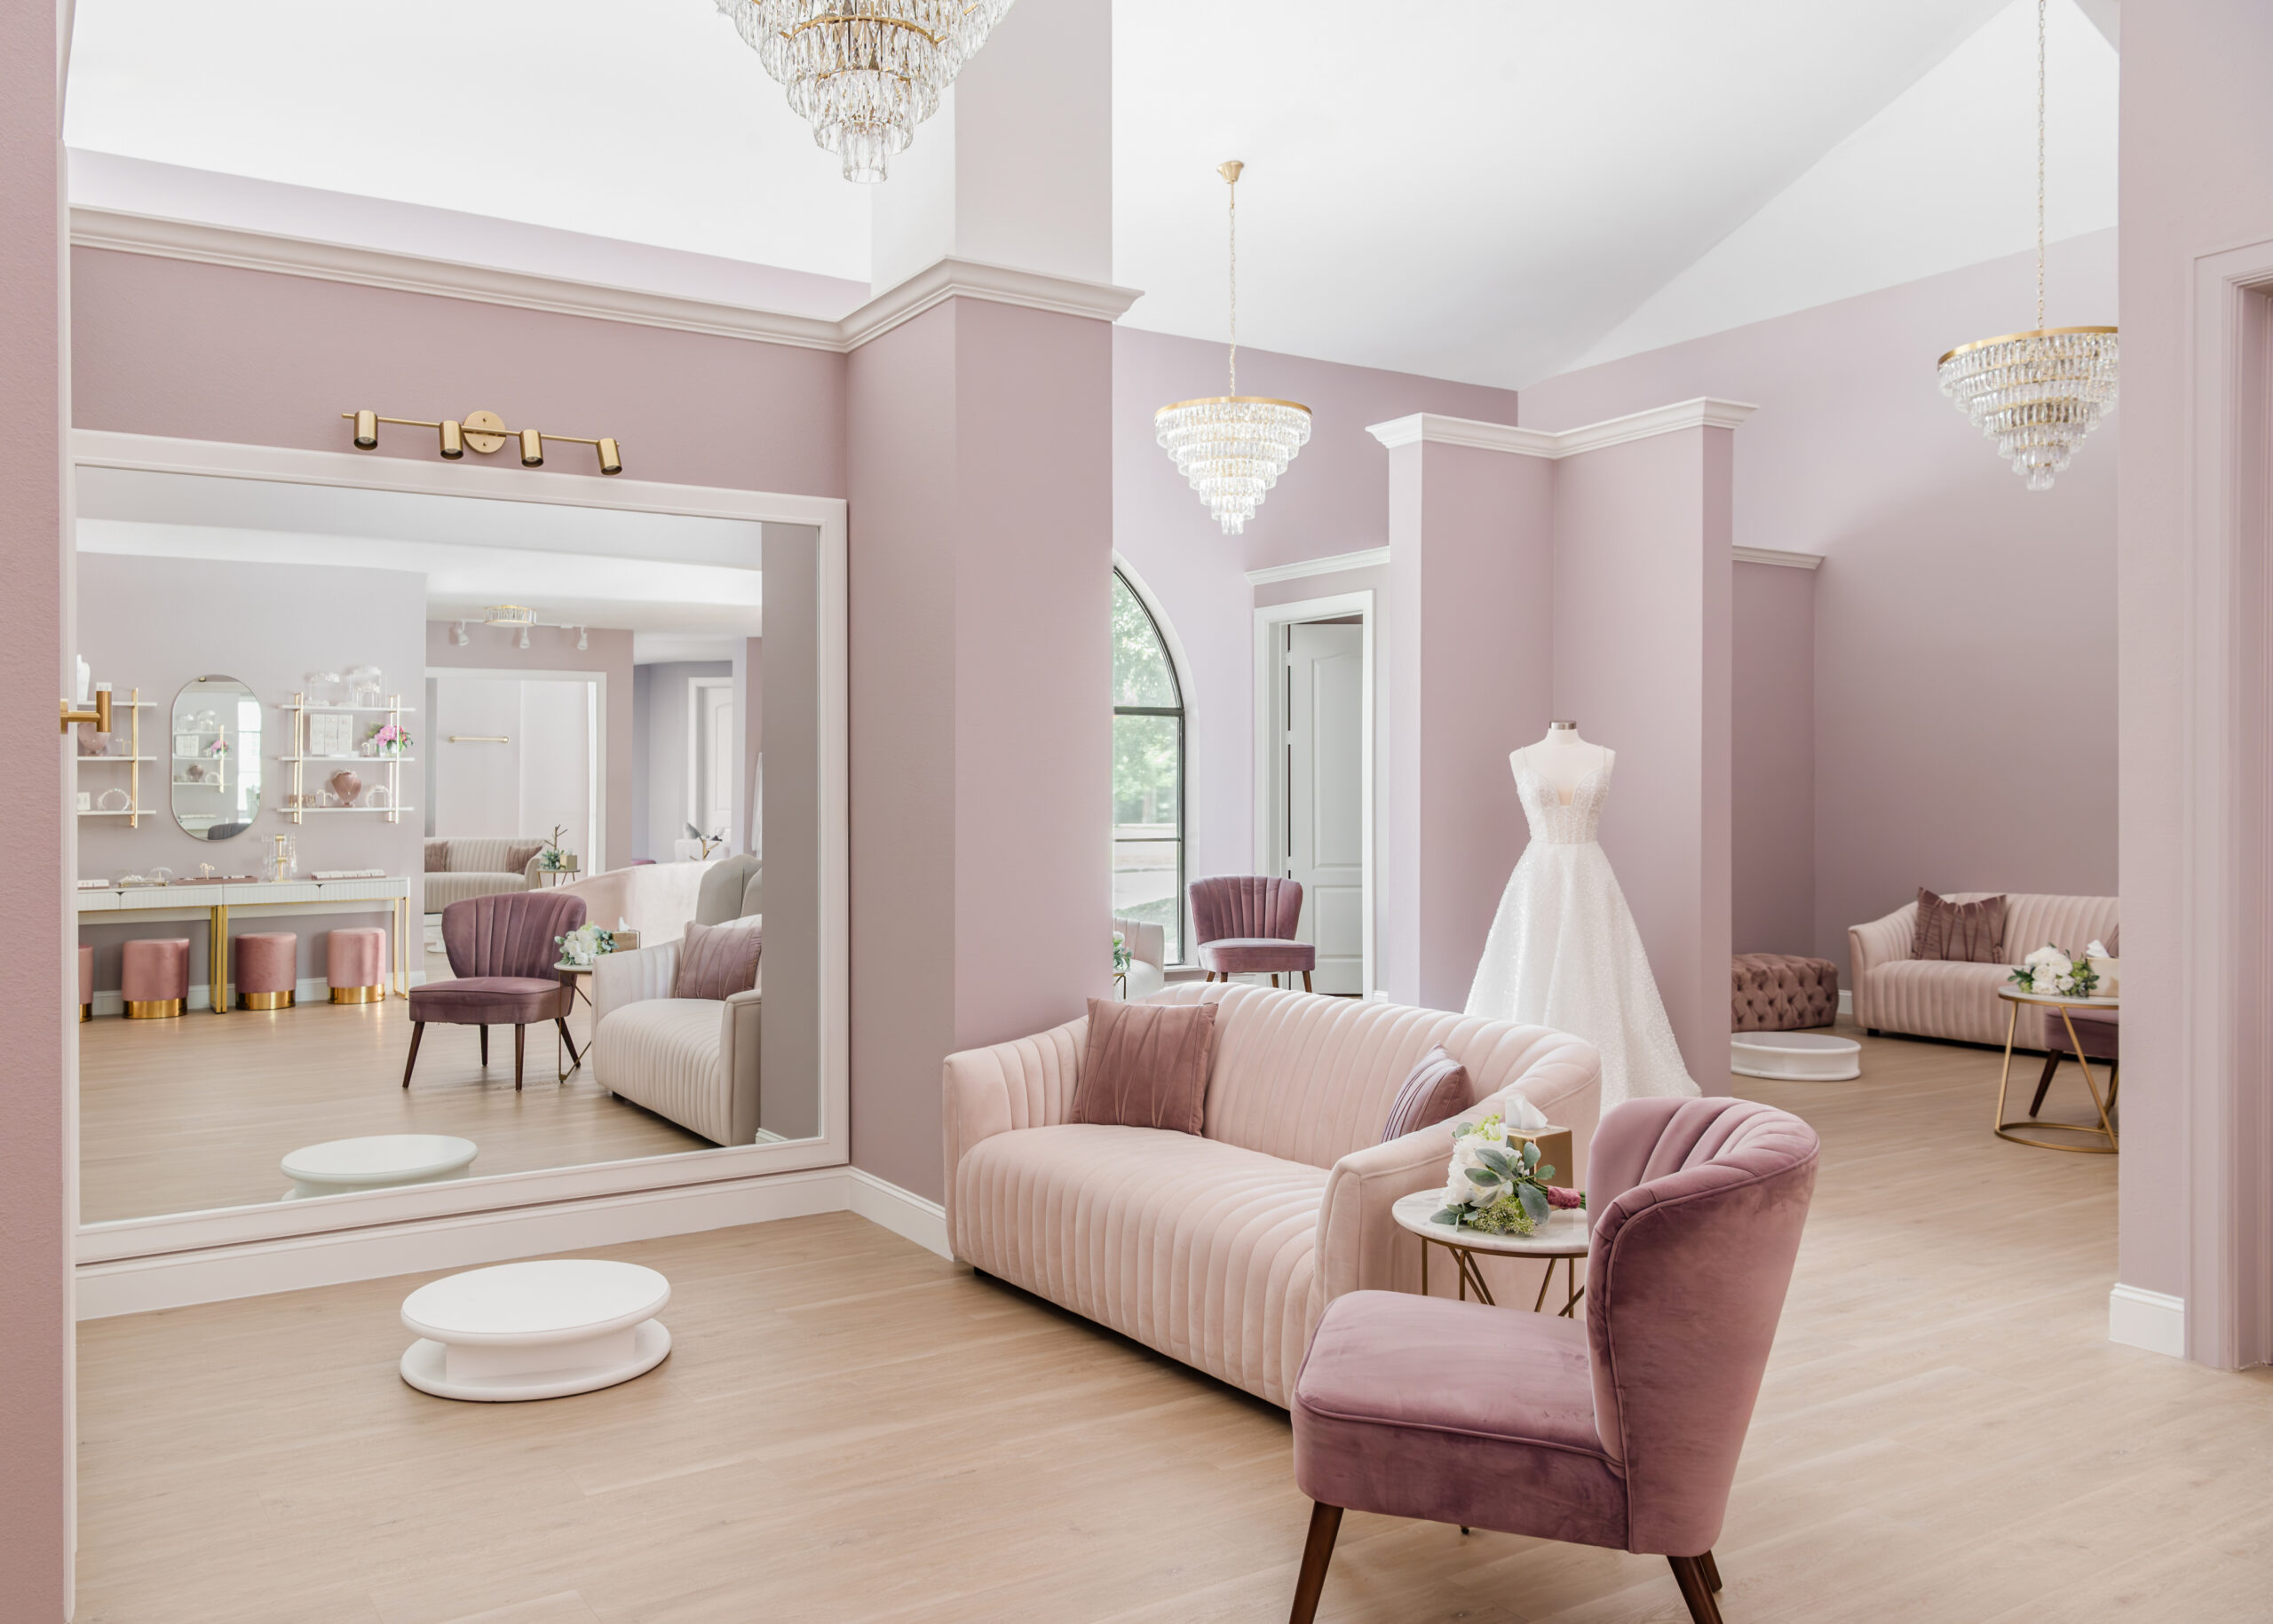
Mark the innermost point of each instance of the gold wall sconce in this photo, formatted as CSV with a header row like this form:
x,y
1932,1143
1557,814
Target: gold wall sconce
x,y
485,432
100,715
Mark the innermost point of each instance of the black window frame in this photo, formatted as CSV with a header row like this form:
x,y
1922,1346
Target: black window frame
x,y
1183,733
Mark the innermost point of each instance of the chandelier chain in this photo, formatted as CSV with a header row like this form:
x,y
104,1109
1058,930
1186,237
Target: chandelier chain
x,y
2039,165
1234,190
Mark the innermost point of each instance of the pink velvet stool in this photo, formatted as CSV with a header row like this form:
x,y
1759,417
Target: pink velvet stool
x,y
86,983
355,964
268,968
155,979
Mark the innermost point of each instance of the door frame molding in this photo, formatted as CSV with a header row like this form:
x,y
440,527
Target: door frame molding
x,y
1268,619
694,686
591,1186
595,738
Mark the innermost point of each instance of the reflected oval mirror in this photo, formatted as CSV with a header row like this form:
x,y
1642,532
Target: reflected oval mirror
x,y
214,757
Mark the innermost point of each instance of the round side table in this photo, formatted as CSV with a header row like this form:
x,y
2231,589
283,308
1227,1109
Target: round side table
x,y
1564,1235
375,1162
2104,1128
578,977
536,1330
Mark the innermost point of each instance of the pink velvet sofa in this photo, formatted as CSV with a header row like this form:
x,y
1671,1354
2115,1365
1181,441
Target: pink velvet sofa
x,y
1221,1249
1933,998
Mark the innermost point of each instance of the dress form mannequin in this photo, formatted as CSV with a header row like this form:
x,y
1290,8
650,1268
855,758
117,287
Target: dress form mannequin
x,y
1563,758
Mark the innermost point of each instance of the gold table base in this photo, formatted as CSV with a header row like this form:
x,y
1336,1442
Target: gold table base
x,y
1470,1275
2106,1126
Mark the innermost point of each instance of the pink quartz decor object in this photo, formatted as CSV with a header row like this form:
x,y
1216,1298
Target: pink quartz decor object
x,y
154,978
345,785
353,965
86,983
267,968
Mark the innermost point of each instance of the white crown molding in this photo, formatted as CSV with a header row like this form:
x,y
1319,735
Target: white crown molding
x,y
1777,555
252,250
1426,427
1371,558
948,279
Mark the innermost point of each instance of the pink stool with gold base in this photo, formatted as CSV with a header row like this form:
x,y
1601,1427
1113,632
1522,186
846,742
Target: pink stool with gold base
x,y
86,983
155,979
268,969
354,963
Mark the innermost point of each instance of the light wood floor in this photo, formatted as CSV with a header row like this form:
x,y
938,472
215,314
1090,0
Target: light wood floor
x,y
195,1113
852,1429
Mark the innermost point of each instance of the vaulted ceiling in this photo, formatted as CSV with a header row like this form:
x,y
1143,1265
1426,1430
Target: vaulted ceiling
x,y
1487,190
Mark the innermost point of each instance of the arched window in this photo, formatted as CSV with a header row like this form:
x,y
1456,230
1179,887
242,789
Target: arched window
x,y
1147,772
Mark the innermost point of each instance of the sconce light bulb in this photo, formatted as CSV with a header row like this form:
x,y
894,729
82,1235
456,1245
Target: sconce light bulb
x,y
610,457
532,448
366,430
525,637
452,440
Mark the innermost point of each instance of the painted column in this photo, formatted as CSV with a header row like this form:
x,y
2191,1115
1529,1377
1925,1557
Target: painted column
x,y
1642,664
37,986
1466,673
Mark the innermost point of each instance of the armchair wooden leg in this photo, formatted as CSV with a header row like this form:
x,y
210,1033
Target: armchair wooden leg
x,y
1306,982
1696,1590
417,1031
1325,1522
520,1043
2044,1083
1274,977
573,1057
485,1046
1712,1572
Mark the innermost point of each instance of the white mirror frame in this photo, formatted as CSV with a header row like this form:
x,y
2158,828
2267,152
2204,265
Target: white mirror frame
x,y
731,1184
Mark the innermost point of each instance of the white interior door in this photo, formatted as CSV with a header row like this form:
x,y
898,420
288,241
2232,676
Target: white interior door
x,y
556,751
477,730
1323,836
718,759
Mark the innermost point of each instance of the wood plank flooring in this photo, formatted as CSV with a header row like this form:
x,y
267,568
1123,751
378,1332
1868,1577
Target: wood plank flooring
x,y
195,1113
850,1429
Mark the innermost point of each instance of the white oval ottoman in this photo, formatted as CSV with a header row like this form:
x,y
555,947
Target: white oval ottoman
x,y
378,1162
1795,1056
536,1330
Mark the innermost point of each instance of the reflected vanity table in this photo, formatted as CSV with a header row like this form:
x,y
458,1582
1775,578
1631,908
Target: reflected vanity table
x,y
188,899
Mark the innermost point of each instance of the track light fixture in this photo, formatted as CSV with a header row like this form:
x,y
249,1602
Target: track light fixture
x,y
525,637
583,636
487,433
462,638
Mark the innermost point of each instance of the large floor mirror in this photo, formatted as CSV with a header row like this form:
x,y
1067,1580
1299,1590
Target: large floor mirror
x,y
443,846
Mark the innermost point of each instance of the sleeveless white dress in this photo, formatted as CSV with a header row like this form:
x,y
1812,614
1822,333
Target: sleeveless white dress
x,y
1564,951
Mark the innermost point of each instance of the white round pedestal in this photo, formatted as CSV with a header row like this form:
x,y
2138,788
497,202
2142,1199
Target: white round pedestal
x,y
375,1163
1796,1056
536,1330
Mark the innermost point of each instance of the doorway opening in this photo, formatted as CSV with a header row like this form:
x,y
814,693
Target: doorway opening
x,y
1314,707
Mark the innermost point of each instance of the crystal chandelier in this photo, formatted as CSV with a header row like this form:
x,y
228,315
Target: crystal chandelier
x,y
864,73
2037,395
1233,446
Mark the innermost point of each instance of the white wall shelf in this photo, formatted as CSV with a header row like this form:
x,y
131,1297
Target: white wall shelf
x,y
134,705
83,760
312,810
296,808
368,760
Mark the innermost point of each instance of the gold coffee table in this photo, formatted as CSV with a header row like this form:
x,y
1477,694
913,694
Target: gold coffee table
x,y
1564,1235
2105,1128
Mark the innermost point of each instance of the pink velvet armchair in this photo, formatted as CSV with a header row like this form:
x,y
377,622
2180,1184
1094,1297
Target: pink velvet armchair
x,y
1624,1432
1245,924
502,951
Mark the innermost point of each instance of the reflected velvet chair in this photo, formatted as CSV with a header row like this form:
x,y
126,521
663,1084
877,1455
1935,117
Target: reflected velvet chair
x,y
1623,1432
502,952
1245,925
2100,1031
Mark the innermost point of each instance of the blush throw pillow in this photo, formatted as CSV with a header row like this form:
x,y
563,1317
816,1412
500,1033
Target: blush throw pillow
x,y
1146,1065
718,960
1964,933
1435,1088
517,858
438,857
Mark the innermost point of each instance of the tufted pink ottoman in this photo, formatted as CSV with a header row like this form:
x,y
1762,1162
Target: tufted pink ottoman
x,y
86,983
355,964
268,967
156,979
1781,992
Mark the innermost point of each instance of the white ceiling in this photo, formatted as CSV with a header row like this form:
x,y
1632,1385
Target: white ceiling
x,y
1492,192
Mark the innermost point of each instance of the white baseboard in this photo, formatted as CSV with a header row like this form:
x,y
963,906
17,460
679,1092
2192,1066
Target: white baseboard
x,y
214,1274
2150,1319
904,1213
1846,1001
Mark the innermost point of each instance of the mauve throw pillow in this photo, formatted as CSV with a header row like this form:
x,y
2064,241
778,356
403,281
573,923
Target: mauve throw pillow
x,y
718,960
1146,1065
1961,933
1436,1088
517,858
438,857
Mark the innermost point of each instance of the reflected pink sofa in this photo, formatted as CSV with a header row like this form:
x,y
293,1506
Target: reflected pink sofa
x,y
1936,998
1223,1248
1623,1432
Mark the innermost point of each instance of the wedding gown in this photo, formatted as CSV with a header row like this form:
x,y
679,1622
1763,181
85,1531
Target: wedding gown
x,y
1564,951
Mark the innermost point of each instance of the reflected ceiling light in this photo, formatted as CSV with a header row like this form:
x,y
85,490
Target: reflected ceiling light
x,y
462,638
1233,446
864,73
583,636
2037,393
525,637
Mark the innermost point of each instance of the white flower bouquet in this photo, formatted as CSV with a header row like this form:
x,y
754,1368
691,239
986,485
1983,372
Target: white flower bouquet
x,y
2054,970
585,944
1496,1182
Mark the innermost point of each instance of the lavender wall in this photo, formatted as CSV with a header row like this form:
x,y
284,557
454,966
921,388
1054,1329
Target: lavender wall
x,y
1951,591
658,755
37,1188
1641,651
1334,499
1771,793
489,648
165,346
